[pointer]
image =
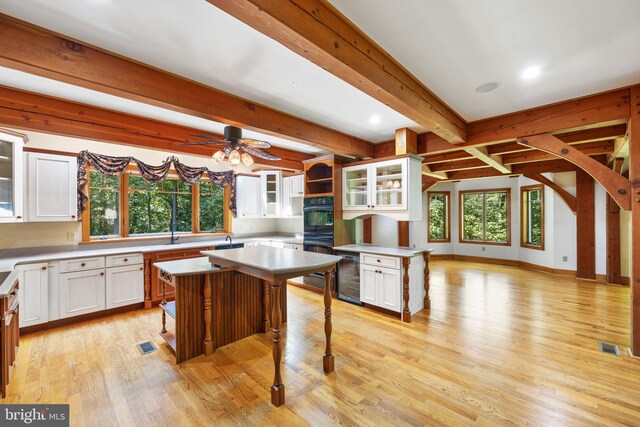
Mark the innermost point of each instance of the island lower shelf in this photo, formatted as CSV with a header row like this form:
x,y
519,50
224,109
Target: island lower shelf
x,y
215,309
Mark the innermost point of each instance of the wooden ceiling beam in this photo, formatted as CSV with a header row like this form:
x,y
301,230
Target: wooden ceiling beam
x,y
320,33
28,111
38,51
590,148
495,161
472,163
567,197
447,157
617,186
551,166
428,182
427,171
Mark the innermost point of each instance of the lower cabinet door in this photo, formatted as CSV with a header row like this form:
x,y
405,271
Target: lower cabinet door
x,y
390,289
33,294
82,292
125,285
368,284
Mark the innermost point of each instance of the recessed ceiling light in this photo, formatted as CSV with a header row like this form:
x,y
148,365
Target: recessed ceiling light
x,y
531,73
374,119
488,87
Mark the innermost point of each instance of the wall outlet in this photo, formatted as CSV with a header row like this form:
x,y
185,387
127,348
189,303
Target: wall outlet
x,y
565,258
484,249
71,236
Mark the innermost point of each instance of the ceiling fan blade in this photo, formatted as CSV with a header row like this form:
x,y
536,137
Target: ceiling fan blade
x,y
202,135
205,143
254,143
259,153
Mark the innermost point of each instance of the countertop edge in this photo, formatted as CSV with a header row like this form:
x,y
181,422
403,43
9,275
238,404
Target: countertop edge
x,y
411,251
7,283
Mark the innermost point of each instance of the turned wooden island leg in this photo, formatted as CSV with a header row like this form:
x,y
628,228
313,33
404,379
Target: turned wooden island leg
x,y
327,360
163,303
266,305
427,299
208,316
277,389
406,314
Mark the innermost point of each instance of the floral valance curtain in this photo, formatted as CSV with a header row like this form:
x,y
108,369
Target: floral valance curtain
x,y
110,165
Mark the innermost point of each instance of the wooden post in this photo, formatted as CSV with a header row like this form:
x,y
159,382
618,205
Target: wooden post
x,y
613,242
266,305
406,314
634,176
208,345
163,303
328,363
427,300
277,389
585,224
147,281
403,233
406,143
366,230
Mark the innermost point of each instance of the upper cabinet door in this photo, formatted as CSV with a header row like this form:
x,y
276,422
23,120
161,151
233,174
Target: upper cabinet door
x,y
52,187
248,196
11,177
270,185
356,188
389,185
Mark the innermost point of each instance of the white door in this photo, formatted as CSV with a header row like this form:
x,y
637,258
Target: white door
x,y
389,185
33,294
52,187
297,186
248,196
124,285
11,177
82,292
270,183
368,284
390,289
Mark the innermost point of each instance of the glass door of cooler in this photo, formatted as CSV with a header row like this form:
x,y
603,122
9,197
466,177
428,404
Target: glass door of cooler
x,y
389,182
356,187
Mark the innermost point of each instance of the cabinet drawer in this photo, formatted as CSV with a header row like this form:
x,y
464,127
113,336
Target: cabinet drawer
x,y
380,260
124,259
185,253
81,264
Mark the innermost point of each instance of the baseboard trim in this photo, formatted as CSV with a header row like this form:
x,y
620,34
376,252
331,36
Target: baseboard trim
x,y
600,278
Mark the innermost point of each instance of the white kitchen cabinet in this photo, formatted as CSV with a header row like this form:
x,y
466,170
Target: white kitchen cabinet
x,y
369,285
124,285
33,295
297,185
390,286
292,196
248,199
82,292
270,189
52,186
391,187
11,177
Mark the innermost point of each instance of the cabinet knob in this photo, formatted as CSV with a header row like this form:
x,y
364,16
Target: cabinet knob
x,y
126,260
378,260
141,268
44,268
73,216
82,264
19,217
102,273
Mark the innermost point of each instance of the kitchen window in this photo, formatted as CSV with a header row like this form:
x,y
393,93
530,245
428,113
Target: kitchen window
x,y
532,217
485,216
145,209
439,216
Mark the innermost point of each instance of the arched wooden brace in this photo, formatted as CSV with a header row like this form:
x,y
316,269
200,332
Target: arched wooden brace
x,y
618,187
568,198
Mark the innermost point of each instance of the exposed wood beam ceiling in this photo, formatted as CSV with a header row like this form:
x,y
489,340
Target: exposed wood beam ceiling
x,y
495,161
320,33
38,51
568,198
23,110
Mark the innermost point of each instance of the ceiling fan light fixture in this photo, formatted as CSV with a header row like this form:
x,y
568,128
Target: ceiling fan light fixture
x,y
218,157
246,159
234,158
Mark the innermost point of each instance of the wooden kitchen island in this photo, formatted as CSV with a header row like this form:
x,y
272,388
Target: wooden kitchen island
x,y
245,284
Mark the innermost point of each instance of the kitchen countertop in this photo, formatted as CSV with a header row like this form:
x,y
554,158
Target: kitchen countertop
x,y
397,251
6,281
271,260
9,258
185,267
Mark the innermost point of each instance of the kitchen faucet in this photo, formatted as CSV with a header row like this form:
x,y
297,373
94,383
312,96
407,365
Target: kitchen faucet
x,y
230,240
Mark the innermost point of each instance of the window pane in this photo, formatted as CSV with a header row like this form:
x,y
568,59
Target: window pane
x,y
496,217
535,217
438,217
150,206
211,207
104,204
472,228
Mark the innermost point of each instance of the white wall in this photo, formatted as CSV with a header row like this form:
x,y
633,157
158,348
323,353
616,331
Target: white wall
x,y
57,234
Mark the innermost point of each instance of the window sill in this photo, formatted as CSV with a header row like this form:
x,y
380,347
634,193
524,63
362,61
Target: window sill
x,y
482,242
154,237
438,240
527,246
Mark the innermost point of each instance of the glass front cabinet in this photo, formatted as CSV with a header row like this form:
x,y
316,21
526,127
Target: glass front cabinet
x,y
391,187
11,177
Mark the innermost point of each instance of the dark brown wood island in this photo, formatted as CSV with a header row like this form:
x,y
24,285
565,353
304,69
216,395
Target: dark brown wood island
x,y
236,294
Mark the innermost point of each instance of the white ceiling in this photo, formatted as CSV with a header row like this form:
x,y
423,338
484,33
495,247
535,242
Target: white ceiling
x,y
453,46
196,40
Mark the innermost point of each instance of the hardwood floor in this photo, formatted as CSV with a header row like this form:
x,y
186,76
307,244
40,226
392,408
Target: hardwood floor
x,y
501,346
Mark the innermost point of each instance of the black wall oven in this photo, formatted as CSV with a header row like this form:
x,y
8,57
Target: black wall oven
x,y
318,233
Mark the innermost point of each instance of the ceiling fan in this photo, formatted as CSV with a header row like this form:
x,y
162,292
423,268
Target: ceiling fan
x,y
236,148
